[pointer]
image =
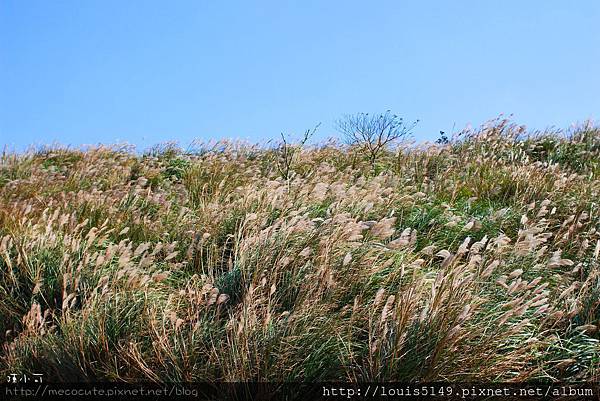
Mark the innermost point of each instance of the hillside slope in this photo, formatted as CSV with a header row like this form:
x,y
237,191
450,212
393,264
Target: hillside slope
x,y
475,260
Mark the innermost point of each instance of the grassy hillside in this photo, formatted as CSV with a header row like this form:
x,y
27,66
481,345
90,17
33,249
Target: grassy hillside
x,y
475,260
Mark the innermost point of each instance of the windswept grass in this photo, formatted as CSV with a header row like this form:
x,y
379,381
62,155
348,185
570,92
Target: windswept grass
x,y
474,260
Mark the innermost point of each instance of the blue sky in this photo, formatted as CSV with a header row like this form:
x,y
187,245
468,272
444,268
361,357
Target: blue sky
x,y
84,72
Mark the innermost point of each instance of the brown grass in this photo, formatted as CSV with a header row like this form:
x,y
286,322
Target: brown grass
x,y
476,260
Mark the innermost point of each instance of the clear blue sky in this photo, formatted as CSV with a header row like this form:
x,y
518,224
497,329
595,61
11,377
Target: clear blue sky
x,y
84,72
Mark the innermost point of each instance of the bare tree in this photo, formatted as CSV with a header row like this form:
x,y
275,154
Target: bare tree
x,y
287,153
374,133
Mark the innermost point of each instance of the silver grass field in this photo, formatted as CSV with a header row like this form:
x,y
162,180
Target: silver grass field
x,y
475,260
